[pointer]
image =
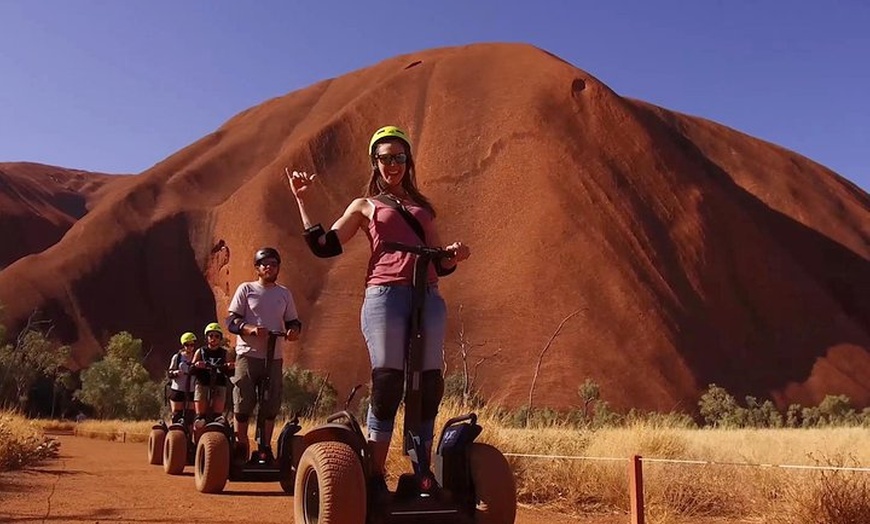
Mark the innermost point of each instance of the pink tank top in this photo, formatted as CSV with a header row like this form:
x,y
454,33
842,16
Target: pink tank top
x,y
388,225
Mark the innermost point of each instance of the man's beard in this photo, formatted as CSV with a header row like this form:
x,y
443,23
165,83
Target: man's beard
x,y
270,279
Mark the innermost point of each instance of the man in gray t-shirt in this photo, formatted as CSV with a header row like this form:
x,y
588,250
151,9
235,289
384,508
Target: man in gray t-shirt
x,y
256,309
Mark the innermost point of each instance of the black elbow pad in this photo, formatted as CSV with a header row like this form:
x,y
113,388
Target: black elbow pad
x,y
234,324
293,324
330,247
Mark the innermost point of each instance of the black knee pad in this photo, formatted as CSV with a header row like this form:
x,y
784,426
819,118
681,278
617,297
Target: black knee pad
x,y
177,415
388,387
243,418
432,391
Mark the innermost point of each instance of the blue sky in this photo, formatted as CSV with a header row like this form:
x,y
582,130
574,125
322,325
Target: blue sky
x,y
117,86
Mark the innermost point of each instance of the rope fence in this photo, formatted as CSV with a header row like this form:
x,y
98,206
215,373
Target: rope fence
x,y
691,461
635,472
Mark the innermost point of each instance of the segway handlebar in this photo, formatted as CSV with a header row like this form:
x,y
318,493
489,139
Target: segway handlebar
x,y
471,418
425,251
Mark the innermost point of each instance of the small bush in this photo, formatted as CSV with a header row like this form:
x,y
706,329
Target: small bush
x,y
22,444
830,497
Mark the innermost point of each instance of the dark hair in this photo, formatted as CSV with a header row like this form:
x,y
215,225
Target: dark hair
x,y
409,181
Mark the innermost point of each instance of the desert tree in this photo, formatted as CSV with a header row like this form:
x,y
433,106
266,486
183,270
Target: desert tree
x,y
30,357
118,385
464,384
529,407
589,392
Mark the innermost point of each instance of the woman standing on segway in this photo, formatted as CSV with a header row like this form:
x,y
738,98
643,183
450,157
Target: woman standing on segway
x,y
211,362
382,214
180,387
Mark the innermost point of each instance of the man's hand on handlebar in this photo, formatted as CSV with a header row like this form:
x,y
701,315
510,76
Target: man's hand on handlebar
x,y
255,331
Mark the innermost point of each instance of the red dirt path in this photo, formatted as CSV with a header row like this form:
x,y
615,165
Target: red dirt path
x,y
99,481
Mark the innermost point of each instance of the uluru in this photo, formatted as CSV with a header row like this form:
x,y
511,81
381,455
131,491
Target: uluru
x,y
39,203
675,252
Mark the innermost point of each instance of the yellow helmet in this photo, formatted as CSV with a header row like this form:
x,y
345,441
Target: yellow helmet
x,y
214,326
387,132
187,338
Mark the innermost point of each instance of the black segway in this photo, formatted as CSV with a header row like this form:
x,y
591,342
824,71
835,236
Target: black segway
x,y
471,482
158,437
179,446
215,463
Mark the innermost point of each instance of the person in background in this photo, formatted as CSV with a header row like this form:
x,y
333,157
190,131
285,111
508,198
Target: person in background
x,y
257,308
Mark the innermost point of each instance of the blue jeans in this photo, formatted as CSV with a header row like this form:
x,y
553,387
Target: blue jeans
x,y
385,319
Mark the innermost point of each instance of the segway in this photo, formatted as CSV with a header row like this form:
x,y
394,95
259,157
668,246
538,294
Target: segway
x,y
215,462
179,447
471,482
159,437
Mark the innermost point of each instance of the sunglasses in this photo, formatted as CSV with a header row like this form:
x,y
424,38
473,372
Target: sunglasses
x,y
270,263
214,335
190,345
401,158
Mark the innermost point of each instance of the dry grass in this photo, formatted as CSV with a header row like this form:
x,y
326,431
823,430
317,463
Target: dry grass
x,y
674,492
22,443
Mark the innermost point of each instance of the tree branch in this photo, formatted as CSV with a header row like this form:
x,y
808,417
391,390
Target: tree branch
x,y
541,359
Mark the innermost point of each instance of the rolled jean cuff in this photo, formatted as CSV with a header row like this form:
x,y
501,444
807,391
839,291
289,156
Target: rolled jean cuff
x,y
380,436
427,431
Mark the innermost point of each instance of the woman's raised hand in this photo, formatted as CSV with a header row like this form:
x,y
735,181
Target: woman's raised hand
x,y
299,181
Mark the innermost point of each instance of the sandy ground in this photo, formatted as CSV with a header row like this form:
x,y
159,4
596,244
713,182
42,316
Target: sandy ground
x,y
98,481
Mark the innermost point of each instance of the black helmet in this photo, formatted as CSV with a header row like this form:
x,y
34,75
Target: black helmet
x,y
264,253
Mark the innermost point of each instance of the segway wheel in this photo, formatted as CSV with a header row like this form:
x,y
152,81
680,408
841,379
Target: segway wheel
x,y
211,466
494,487
155,446
330,487
175,452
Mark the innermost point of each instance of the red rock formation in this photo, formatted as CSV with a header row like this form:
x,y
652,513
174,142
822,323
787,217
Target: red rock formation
x,y
694,253
39,203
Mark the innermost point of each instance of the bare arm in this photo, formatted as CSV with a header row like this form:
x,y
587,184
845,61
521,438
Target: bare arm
x,y
355,216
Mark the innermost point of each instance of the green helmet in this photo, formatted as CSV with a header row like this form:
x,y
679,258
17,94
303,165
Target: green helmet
x,y
388,132
187,338
214,326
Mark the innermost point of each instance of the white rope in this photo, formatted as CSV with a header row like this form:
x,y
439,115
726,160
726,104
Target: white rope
x,y
564,457
690,461
761,465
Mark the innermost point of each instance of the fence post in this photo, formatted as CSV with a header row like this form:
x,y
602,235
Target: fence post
x,y
635,489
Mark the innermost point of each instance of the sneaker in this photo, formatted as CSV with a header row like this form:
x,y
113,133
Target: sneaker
x,y
240,454
267,457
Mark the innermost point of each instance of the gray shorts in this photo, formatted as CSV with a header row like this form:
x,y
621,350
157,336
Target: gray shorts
x,y
248,373
218,393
